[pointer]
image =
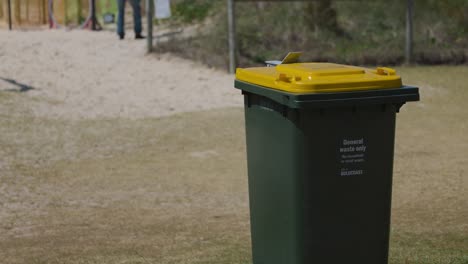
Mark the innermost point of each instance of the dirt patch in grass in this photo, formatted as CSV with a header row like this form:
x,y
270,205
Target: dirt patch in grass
x,y
174,189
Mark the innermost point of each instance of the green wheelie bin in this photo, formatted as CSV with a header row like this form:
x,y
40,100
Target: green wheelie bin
x,y
320,141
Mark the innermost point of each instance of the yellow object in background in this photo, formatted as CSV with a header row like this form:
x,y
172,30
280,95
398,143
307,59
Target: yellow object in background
x,y
319,77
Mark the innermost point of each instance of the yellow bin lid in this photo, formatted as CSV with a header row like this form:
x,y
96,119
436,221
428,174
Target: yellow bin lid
x,y
319,77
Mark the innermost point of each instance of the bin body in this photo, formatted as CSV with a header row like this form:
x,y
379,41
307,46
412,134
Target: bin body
x,y
320,174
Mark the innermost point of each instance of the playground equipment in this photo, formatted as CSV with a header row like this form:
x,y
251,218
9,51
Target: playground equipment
x,y
22,12
56,13
90,22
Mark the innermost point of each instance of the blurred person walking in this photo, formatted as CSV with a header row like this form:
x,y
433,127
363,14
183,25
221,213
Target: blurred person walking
x,y
136,18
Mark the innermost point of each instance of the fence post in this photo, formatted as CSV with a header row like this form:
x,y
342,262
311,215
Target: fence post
x,y
231,35
9,14
409,32
149,25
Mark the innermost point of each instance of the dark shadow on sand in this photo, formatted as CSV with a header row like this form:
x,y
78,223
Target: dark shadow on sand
x,y
22,87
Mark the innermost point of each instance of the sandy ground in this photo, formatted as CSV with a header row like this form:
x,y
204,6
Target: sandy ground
x,y
84,74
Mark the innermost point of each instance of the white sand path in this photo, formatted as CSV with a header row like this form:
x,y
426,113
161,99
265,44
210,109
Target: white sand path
x,y
81,74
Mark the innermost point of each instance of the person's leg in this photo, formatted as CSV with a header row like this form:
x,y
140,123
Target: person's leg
x,y
136,4
121,18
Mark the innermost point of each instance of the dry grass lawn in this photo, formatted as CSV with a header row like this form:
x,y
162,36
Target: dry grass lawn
x,y
174,189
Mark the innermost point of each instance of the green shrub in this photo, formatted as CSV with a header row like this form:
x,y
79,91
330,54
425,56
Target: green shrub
x,y
192,10
353,32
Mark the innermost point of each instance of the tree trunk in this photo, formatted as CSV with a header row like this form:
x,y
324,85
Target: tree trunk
x,y
409,32
260,7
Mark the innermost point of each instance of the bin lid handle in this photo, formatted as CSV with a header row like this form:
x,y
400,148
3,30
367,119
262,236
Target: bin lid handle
x,y
385,71
292,57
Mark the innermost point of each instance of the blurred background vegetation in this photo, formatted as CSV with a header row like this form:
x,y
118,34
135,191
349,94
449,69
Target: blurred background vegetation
x,y
353,32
